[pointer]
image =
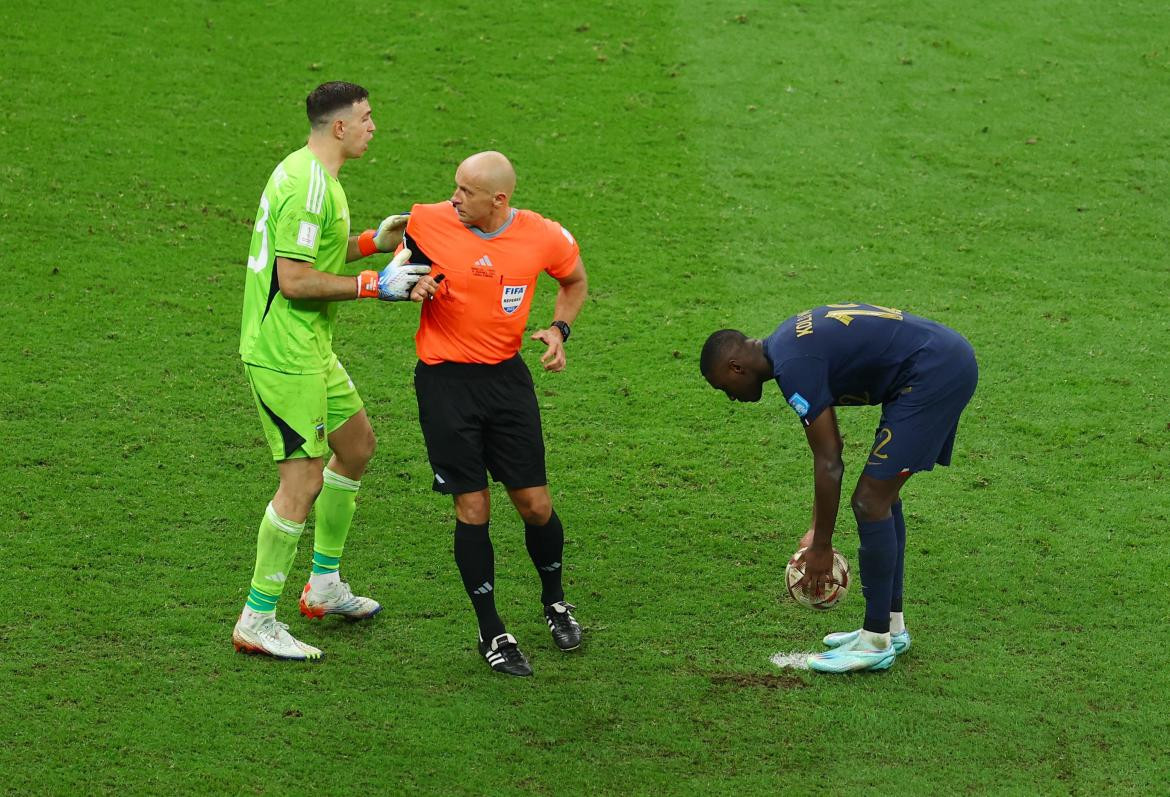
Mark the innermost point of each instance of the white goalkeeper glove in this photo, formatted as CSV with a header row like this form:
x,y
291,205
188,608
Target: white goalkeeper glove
x,y
398,278
390,231
394,282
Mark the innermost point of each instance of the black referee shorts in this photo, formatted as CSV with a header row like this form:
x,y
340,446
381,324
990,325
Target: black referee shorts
x,y
480,417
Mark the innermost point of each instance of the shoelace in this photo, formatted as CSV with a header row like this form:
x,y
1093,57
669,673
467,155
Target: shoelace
x,y
340,595
510,651
505,648
345,598
563,620
271,627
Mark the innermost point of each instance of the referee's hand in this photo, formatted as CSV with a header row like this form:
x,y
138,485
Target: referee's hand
x,y
554,357
426,288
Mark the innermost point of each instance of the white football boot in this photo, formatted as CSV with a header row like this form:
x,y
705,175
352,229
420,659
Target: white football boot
x,y
337,598
263,634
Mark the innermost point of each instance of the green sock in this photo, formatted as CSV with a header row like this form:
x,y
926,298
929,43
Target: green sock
x,y
334,514
323,563
276,546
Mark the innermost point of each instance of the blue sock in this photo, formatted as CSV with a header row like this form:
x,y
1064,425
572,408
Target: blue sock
x,y
878,556
900,530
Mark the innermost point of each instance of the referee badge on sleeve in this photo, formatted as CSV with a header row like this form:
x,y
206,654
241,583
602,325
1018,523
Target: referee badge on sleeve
x,y
512,297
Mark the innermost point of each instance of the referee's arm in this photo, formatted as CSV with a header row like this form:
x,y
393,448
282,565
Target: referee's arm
x,y
574,287
571,296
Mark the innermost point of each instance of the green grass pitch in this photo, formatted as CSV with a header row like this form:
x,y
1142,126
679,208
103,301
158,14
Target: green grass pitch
x,y
1001,167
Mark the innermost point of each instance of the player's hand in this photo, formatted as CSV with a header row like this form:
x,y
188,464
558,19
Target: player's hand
x,y
390,232
806,540
818,570
553,358
396,280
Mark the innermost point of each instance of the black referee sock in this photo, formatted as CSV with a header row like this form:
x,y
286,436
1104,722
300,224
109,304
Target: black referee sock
x,y
546,545
476,561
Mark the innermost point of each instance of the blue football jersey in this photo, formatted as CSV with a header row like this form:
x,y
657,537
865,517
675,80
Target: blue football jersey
x,y
841,354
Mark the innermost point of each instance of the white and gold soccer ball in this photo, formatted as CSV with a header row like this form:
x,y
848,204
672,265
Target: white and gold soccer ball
x,y
832,594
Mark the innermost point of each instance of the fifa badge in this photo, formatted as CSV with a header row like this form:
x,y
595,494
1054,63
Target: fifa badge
x,y
512,297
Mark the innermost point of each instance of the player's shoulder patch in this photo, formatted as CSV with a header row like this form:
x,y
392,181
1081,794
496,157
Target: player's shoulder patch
x,y
307,235
799,403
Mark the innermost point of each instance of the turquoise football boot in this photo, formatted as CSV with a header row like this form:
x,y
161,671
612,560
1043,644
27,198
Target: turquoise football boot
x,y
855,656
900,641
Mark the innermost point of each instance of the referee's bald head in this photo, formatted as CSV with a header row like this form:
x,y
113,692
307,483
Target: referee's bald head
x,y
491,171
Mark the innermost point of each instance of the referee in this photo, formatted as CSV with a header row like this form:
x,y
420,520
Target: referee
x,y
476,402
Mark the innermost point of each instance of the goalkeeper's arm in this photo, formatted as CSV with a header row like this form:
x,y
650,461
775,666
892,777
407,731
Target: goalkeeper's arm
x,y
299,280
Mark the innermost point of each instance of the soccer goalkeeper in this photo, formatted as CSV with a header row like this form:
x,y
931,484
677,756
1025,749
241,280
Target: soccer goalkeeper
x,y
307,403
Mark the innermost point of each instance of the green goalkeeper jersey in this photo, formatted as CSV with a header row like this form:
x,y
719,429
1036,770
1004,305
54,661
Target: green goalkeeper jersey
x,y
303,215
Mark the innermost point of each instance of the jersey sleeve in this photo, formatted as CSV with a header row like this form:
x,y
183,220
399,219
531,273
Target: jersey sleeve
x,y
562,250
414,235
300,217
804,381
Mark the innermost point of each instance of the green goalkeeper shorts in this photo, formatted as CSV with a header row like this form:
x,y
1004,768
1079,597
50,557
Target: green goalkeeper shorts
x,y
300,411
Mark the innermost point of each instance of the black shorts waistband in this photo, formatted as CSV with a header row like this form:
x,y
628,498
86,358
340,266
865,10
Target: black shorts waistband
x,y
472,370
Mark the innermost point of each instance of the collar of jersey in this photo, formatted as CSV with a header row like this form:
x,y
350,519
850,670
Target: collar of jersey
x,y
487,236
313,157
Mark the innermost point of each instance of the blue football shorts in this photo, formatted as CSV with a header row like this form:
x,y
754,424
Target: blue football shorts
x,y
918,426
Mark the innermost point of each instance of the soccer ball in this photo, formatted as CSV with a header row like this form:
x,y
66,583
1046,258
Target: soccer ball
x,y
833,593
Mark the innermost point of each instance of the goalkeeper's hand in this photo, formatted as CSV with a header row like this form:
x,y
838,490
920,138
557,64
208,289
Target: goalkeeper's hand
x,y
390,231
396,280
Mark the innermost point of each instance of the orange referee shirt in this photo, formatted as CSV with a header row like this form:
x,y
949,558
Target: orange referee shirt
x,y
481,307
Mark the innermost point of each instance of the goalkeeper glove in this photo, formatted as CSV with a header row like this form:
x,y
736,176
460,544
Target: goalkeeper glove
x,y
394,282
386,238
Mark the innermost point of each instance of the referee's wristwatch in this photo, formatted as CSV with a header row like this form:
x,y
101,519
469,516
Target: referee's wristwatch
x,y
564,328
